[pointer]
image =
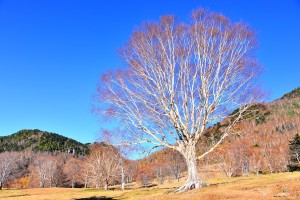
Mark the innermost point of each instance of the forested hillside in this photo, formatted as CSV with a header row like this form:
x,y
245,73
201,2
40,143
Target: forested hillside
x,y
261,144
37,140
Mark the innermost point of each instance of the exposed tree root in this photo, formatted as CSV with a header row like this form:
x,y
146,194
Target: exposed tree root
x,y
189,185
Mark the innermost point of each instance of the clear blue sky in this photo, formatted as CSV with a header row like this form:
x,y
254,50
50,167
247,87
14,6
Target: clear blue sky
x,y
52,52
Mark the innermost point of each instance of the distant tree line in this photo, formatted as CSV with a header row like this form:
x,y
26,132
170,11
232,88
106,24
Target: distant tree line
x,y
104,167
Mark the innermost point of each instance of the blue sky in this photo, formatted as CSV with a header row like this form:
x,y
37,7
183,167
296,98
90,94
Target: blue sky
x,y
53,51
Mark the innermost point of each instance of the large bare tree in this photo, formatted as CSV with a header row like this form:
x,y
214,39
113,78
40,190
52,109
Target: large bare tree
x,y
182,78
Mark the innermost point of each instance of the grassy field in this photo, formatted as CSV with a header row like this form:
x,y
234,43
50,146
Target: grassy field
x,y
252,187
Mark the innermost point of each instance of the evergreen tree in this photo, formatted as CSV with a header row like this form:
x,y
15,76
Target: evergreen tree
x,y
295,153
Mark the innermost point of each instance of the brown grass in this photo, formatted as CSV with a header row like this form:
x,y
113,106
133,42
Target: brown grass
x,y
252,187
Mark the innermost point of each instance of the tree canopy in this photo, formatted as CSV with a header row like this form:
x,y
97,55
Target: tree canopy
x,y
180,79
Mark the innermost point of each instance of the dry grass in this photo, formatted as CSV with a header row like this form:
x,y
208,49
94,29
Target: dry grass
x,y
252,187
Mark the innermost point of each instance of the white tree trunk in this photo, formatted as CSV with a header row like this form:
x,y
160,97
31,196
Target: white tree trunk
x,y
86,181
73,182
122,178
106,185
193,180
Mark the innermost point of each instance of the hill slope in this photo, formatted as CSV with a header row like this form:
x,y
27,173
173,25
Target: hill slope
x,y
37,140
262,140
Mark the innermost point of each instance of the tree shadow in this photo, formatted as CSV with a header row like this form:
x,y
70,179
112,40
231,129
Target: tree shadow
x,y
148,186
96,198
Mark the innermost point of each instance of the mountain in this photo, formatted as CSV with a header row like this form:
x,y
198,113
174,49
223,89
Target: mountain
x,y
37,140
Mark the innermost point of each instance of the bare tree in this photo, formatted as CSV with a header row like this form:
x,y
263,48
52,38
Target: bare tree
x,y
229,161
160,175
181,79
176,165
86,172
131,170
71,169
104,164
123,167
45,166
8,163
119,153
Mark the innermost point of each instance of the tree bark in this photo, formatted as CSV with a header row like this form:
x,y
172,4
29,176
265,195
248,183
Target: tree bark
x,y
193,180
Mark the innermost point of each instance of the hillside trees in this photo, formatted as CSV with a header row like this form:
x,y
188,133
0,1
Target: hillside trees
x,y
262,147
181,79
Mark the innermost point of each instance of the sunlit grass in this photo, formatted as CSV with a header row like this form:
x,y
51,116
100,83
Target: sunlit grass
x,y
247,187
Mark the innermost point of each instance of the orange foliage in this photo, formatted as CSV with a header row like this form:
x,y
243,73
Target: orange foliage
x,y
21,183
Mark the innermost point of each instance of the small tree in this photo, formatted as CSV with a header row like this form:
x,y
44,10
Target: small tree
x,y
131,169
85,173
8,163
181,79
71,169
176,164
104,164
160,174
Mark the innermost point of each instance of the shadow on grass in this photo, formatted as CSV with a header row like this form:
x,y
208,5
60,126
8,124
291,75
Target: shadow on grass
x,y
148,186
17,195
97,198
